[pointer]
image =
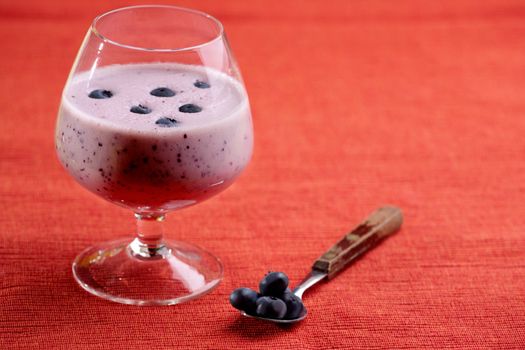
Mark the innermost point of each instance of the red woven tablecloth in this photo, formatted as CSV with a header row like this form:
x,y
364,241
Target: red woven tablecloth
x,y
355,104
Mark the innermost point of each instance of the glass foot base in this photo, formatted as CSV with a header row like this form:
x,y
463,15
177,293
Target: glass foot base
x,y
176,273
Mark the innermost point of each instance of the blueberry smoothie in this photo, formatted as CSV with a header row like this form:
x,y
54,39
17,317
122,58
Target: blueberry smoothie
x,y
156,136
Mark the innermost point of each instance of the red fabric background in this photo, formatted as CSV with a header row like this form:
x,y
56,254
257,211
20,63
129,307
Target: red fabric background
x,y
356,104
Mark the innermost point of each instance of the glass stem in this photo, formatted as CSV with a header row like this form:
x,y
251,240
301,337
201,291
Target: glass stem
x,y
149,243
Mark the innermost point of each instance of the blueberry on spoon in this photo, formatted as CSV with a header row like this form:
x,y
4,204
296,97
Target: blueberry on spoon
x,y
273,284
270,307
244,299
294,305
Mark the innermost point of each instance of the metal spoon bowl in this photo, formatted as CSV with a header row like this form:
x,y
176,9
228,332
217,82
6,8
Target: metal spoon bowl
x,y
279,320
380,224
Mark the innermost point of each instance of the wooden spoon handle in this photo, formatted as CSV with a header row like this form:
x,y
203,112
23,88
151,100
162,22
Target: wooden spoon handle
x,y
380,224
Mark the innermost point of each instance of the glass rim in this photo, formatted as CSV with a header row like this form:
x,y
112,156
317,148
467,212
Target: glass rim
x,y
95,31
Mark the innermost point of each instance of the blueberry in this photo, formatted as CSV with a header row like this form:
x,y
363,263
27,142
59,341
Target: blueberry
x,y
140,109
201,84
294,305
270,307
166,122
190,108
162,92
274,284
244,299
100,94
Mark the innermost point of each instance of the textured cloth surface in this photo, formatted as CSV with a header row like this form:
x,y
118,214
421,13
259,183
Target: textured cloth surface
x,y
355,104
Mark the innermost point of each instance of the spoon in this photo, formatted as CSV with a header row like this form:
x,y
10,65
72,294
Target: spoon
x,y
380,224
